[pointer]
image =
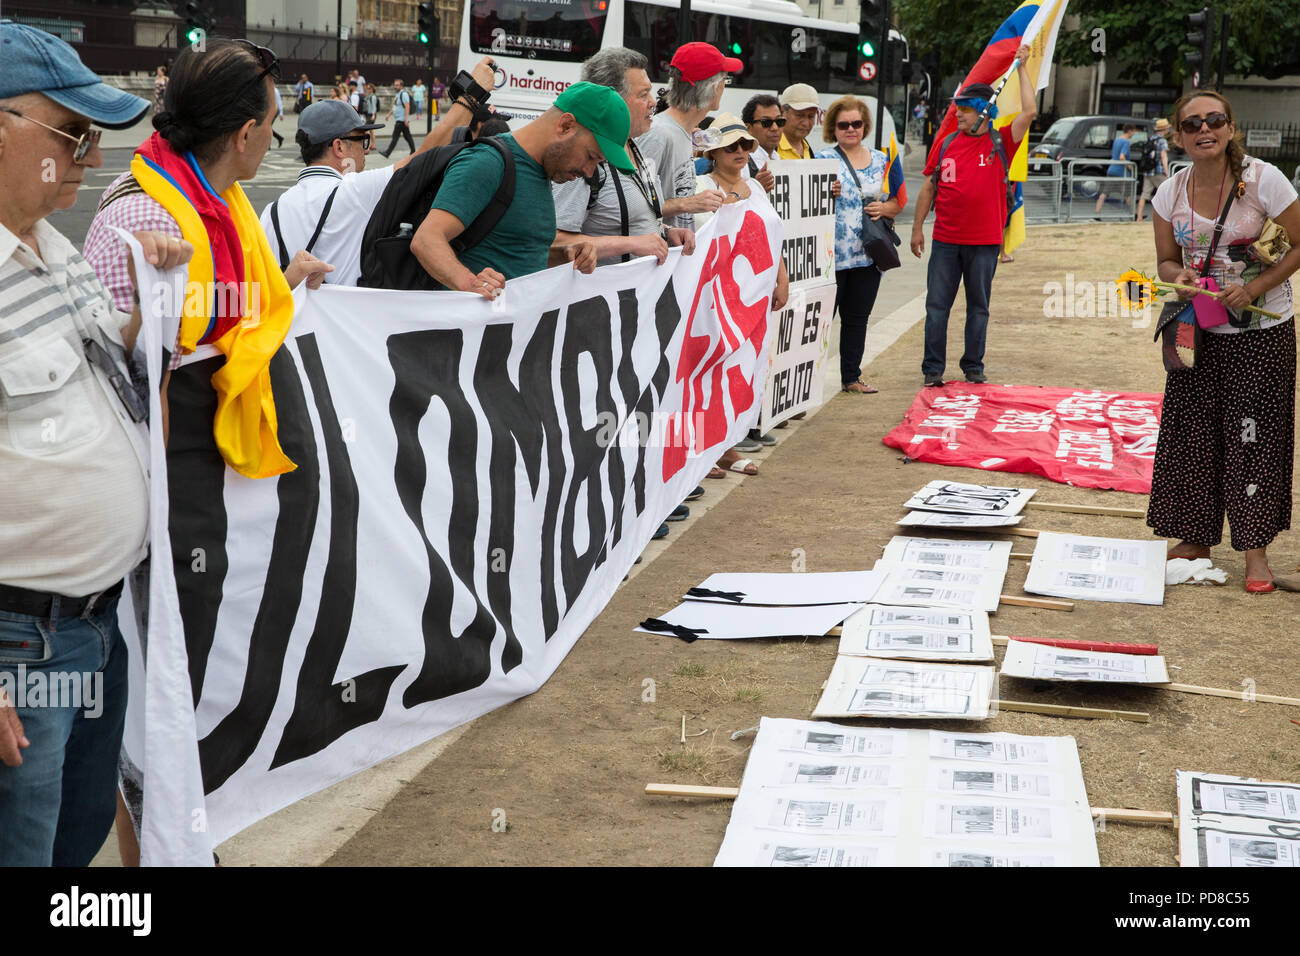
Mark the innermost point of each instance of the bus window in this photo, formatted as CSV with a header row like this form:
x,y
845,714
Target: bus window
x,y
652,32
540,29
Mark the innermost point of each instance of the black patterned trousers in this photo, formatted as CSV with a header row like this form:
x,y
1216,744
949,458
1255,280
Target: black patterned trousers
x,y
1227,441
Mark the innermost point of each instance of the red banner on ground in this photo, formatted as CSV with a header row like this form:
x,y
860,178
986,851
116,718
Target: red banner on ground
x,y
1077,437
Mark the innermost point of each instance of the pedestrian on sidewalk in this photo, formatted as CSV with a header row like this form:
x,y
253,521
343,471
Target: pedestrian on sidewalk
x,y
1119,153
401,106
967,185
1155,178
418,92
863,179
1227,429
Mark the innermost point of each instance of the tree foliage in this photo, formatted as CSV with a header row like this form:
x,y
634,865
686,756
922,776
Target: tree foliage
x,y
1144,38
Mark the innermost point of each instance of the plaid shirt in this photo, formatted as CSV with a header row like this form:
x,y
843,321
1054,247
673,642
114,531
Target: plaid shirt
x,y
108,255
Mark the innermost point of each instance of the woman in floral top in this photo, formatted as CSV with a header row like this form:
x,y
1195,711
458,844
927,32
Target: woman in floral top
x,y
1227,432
857,280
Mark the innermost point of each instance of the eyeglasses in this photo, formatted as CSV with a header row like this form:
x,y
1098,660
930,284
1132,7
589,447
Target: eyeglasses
x,y
85,142
362,138
768,123
849,124
746,145
1193,123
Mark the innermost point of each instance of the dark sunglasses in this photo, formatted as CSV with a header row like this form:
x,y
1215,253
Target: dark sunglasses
x,y
767,123
269,61
360,138
744,144
1193,123
849,124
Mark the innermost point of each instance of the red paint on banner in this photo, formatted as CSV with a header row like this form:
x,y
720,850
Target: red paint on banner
x,y
1079,437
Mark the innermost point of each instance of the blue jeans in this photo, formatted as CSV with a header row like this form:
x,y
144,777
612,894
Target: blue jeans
x,y
951,264
57,806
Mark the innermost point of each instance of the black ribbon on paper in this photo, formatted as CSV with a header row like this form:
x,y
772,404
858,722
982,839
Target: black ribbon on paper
x,y
660,626
737,596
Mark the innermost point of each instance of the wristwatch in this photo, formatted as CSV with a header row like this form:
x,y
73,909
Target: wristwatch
x,y
464,85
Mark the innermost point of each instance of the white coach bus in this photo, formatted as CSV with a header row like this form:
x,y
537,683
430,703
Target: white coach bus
x,y
539,46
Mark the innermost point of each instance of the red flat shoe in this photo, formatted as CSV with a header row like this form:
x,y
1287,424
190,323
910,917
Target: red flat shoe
x,y
1259,587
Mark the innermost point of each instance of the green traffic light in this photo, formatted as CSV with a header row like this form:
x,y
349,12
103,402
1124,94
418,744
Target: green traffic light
x,y
868,48
424,37
735,47
194,35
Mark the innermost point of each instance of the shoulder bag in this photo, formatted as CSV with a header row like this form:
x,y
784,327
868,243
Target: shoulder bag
x,y
878,236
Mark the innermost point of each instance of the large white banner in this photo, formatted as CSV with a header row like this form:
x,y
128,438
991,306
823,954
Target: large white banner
x,y
474,479
795,366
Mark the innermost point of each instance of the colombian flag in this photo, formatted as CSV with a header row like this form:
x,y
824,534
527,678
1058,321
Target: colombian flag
x,y
1036,23
895,187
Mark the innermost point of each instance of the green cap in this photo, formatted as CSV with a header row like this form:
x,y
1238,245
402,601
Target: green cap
x,y
601,110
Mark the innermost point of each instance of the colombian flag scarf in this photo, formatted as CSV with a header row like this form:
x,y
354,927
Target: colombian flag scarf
x,y
236,298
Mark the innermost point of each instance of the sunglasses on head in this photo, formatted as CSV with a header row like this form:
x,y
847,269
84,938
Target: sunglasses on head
x,y
269,62
1192,124
768,123
85,142
849,124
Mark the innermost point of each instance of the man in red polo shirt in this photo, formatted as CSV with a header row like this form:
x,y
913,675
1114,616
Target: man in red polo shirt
x,y
967,185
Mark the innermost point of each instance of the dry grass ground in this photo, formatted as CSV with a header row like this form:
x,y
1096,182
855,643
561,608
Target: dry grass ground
x,y
566,766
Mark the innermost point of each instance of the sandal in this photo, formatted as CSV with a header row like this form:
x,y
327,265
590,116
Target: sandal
x,y
1260,587
716,472
743,466
860,388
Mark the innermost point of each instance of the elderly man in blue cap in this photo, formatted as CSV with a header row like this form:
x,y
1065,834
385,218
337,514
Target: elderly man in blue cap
x,y
74,513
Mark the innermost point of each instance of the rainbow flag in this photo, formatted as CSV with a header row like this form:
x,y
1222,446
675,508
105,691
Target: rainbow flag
x,y
895,187
1036,23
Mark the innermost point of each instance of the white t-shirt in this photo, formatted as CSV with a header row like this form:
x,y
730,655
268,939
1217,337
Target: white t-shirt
x,y
1268,192
299,208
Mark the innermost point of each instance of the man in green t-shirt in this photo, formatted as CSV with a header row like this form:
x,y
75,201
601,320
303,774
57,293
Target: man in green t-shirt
x,y
587,124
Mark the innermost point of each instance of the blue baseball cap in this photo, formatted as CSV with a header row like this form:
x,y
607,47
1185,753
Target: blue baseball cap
x,y
38,62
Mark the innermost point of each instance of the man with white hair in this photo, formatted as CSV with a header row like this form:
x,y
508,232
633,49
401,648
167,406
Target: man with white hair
x,y
73,450
698,77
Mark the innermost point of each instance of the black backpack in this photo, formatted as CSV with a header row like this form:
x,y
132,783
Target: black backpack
x,y
386,259
1148,157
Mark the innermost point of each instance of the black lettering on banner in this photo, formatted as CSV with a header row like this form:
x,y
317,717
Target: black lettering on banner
x,y
630,393
784,330
232,741
196,481
803,379
668,316
586,329
811,320
322,712
781,195
780,382
815,196
800,255
426,364
535,373
511,421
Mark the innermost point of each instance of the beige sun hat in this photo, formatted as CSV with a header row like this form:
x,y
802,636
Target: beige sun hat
x,y
725,129
799,96
1162,125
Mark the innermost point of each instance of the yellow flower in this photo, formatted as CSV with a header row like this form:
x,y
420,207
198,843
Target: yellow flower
x,y
1135,289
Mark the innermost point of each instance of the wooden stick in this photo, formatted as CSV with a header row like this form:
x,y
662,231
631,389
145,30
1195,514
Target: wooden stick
x,y
1102,647
687,790
1086,509
1110,814
1012,529
1062,710
1154,818
1045,603
1241,695
1021,556
683,728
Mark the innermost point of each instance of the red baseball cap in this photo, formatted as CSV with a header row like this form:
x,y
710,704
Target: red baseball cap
x,y
699,61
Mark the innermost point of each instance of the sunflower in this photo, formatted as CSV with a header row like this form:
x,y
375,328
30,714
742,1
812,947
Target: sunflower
x,y
1136,290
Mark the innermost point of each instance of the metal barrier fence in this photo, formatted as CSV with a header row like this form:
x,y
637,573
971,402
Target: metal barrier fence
x,y
1174,166
1086,181
1042,191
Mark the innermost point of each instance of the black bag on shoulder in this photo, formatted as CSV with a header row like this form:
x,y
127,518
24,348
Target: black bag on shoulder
x,y
878,236
386,258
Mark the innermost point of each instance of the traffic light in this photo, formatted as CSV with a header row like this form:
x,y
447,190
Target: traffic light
x,y
428,23
197,23
872,16
894,60
1200,37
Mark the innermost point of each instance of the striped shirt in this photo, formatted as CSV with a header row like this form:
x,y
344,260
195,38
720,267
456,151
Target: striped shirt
x,y
74,513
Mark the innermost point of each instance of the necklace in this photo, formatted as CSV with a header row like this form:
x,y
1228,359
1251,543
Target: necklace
x,y
1218,201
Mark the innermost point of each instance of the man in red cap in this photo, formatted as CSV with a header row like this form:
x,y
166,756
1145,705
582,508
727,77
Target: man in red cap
x,y
696,81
